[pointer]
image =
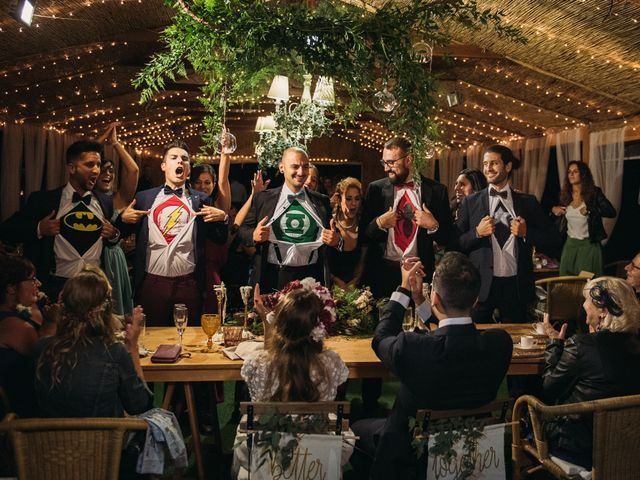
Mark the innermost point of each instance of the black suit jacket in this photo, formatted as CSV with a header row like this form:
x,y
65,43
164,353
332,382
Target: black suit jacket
x,y
379,199
23,227
453,367
264,205
540,232
215,231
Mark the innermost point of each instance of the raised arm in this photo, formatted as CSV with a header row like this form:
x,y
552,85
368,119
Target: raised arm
x,y
129,179
223,200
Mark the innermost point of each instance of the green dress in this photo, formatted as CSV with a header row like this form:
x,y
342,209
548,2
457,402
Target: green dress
x,y
117,271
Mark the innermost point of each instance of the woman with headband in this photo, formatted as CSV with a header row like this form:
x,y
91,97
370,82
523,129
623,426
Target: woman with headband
x,y
600,364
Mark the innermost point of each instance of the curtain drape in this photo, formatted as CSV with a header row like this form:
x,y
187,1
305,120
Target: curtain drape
x,y
450,165
567,150
517,176
55,160
536,163
11,169
606,158
474,156
35,147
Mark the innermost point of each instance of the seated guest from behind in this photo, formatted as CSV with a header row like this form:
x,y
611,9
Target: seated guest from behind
x,y
453,367
83,371
19,332
600,364
294,367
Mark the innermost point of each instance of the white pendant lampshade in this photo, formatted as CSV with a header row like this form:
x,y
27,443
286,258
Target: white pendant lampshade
x,y
324,94
279,90
265,124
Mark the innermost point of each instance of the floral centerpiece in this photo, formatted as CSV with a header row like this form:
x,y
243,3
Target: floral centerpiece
x,y
326,318
356,311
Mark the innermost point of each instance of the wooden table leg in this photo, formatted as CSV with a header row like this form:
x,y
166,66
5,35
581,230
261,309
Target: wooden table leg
x,y
168,395
195,429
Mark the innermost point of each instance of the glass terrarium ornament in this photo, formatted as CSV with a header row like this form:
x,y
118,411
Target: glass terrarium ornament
x,y
385,101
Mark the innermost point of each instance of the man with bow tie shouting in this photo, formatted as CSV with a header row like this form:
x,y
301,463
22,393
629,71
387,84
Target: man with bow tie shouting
x,y
497,228
290,226
401,219
64,229
172,223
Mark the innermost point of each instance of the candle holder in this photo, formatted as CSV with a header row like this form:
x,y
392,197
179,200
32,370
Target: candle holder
x,y
245,293
221,295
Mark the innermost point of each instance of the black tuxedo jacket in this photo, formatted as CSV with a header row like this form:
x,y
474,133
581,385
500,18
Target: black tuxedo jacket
x,y
453,367
215,231
23,227
379,199
540,232
264,205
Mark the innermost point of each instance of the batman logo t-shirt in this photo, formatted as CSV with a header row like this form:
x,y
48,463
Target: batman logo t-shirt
x,y
81,228
295,225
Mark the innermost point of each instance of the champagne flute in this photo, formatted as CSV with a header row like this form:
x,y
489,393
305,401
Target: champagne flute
x,y
180,317
245,293
407,323
143,331
210,325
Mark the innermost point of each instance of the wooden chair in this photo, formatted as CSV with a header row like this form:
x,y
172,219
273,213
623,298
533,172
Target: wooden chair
x,y
68,448
564,298
616,437
337,413
488,412
427,422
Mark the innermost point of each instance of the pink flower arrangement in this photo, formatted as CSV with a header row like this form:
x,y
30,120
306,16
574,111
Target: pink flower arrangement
x,y
328,315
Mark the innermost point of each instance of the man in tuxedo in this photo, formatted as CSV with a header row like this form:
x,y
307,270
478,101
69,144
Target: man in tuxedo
x,y
455,366
172,223
291,228
64,229
497,228
400,219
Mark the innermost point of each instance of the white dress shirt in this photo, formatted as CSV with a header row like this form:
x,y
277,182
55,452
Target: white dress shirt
x,y
170,251
68,261
504,259
294,254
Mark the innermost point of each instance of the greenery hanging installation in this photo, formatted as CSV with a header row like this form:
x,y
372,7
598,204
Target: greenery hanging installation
x,y
237,46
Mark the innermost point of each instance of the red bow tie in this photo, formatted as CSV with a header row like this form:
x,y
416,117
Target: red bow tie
x,y
408,185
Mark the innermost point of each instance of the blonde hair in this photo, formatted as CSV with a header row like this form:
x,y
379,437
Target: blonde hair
x,y
624,297
341,189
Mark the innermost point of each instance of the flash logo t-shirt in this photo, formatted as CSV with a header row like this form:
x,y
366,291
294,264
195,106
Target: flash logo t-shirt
x,y
171,247
171,216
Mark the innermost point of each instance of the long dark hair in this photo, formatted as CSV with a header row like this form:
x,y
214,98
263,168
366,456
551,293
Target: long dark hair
x,y
13,270
204,168
587,185
86,317
476,178
292,350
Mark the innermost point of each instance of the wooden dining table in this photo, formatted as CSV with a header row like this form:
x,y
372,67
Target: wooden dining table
x,y
200,365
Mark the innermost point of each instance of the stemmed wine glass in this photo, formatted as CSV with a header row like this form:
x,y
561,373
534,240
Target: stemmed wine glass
x,y
210,325
180,317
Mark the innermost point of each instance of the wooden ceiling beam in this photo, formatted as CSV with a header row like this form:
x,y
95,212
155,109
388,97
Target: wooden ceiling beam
x,y
461,50
595,91
540,108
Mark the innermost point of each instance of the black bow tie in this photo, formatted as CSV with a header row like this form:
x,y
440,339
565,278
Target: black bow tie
x,y
168,191
79,198
495,193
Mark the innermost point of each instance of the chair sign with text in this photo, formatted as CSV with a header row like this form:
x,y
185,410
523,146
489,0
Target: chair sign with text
x,y
488,458
316,457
